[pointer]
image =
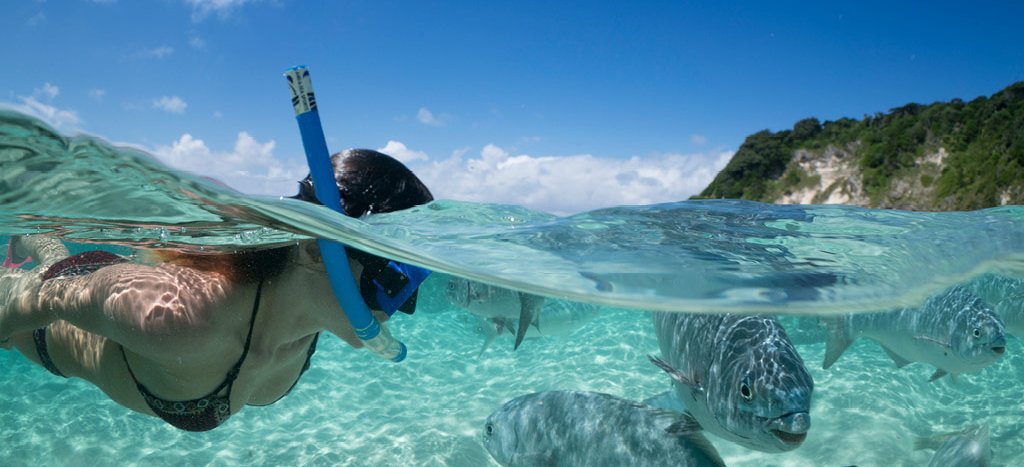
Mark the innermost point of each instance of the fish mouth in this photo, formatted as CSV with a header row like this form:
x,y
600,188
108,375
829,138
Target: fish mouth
x,y
790,429
999,349
789,438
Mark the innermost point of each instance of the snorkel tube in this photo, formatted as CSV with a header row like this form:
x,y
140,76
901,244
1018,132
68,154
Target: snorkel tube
x,y
373,335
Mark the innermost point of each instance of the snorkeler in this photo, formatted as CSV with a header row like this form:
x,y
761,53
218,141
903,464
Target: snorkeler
x,y
193,339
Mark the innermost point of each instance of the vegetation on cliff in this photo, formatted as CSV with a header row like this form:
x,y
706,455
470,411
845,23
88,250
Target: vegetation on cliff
x,y
983,140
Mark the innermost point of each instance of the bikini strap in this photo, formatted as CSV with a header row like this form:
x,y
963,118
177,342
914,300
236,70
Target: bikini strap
x,y
248,340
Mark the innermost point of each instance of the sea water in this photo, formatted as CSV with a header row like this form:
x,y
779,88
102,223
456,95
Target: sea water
x,y
352,408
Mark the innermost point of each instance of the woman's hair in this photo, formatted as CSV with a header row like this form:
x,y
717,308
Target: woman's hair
x,y
369,182
372,182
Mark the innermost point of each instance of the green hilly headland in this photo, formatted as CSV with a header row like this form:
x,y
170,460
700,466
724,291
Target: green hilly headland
x,y
943,156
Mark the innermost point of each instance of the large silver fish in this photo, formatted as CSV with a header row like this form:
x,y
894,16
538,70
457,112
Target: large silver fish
x,y
570,428
501,306
969,448
1005,295
953,331
738,376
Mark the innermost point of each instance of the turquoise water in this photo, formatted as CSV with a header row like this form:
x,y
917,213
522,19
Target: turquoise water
x,y
352,408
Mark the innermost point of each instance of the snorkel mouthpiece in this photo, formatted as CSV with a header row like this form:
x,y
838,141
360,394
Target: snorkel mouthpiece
x,y
374,336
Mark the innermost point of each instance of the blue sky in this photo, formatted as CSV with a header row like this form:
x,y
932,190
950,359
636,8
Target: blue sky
x,y
558,106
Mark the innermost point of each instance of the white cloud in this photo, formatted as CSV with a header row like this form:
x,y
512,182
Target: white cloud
x,y
427,118
223,8
569,184
699,140
398,150
249,167
35,19
172,104
156,52
97,94
196,41
55,117
48,92
39,105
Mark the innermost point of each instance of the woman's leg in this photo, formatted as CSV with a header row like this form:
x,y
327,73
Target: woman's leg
x,y
45,250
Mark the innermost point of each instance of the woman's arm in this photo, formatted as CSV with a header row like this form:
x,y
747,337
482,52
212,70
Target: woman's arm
x,y
150,309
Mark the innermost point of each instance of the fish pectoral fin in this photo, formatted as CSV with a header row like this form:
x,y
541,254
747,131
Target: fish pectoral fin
x,y
900,361
535,458
939,372
487,343
675,374
684,424
502,324
691,431
932,442
932,340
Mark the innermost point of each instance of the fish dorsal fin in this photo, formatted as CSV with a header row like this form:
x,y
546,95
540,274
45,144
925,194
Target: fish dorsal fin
x,y
900,361
939,372
676,374
529,312
839,340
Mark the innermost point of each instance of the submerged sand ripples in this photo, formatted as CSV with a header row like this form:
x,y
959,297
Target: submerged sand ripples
x,y
352,409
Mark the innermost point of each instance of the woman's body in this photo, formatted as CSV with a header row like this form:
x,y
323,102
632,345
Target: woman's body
x,y
181,327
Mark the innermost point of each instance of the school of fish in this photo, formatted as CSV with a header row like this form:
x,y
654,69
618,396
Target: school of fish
x,y
737,377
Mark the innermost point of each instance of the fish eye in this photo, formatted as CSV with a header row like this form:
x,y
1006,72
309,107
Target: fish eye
x,y
977,332
489,429
745,391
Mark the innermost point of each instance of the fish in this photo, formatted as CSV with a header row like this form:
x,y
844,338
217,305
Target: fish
x,y
560,317
1005,294
738,376
968,448
954,331
578,428
500,305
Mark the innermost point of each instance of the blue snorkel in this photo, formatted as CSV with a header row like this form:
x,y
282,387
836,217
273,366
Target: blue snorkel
x,y
374,336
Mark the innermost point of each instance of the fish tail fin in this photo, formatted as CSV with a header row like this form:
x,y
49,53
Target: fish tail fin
x,y
839,339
